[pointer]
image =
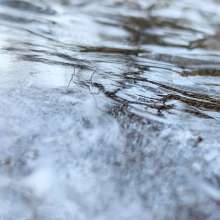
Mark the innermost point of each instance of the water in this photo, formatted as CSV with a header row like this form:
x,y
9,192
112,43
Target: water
x,y
109,110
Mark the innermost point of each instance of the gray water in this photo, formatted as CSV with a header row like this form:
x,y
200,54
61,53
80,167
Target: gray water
x,y
109,110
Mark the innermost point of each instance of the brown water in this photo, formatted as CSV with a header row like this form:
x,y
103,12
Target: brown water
x,y
109,110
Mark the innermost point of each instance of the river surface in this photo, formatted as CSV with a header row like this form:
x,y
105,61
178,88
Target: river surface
x,y
109,110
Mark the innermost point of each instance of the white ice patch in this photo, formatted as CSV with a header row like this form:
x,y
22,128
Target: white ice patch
x,y
59,162
40,181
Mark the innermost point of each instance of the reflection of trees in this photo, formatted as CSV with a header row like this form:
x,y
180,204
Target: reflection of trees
x,y
145,30
140,32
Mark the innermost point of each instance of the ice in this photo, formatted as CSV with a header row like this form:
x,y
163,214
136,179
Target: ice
x,y
98,120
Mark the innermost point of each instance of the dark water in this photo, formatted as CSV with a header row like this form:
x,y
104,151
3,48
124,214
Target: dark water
x,y
109,110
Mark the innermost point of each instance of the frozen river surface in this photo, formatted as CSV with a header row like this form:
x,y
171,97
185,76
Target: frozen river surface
x,y
109,110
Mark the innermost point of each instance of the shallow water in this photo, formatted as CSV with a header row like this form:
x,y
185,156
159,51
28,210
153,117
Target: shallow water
x,y
109,110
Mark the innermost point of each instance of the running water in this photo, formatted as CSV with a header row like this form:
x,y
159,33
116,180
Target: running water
x,y
109,110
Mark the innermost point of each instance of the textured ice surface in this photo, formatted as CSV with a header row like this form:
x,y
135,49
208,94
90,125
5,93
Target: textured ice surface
x,y
109,110
62,157
57,161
